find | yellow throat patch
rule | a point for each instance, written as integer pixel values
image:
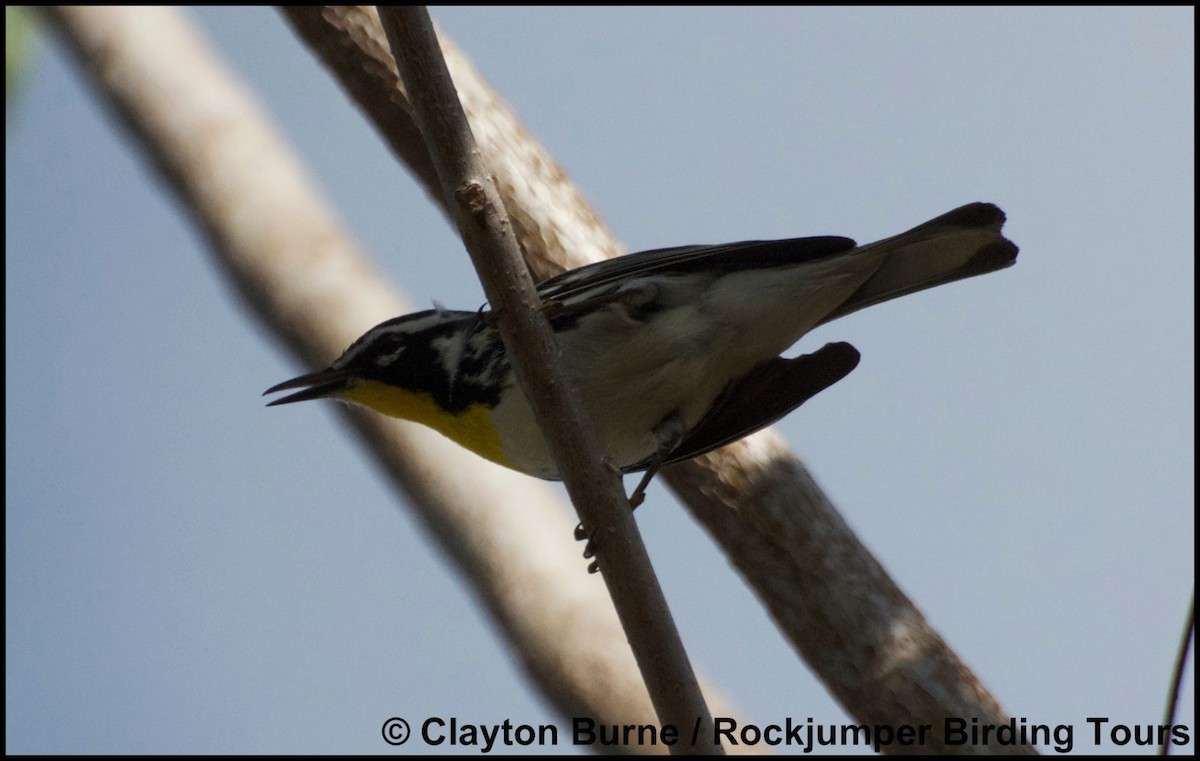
(472, 428)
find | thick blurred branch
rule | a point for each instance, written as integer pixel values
(855, 627)
(302, 274)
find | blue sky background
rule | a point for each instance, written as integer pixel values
(188, 571)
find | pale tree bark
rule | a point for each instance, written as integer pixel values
(286, 253)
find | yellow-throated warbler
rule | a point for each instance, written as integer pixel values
(675, 351)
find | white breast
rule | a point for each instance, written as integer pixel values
(635, 368)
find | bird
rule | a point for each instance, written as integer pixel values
(675, 351)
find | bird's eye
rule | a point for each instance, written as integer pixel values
(387, 348)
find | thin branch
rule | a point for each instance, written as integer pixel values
(1185, 646)
(594, 486)
(857, 630)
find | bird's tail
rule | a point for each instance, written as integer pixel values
(959, 244)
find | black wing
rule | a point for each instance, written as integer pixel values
(749, 254)
(771, 390)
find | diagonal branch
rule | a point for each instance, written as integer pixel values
(593, 484)
(833, 600)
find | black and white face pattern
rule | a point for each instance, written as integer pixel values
(450, 355)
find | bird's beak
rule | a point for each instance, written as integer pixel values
(321, 384)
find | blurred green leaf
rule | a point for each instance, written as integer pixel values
(19, 30)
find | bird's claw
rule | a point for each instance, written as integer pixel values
(589, 549)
